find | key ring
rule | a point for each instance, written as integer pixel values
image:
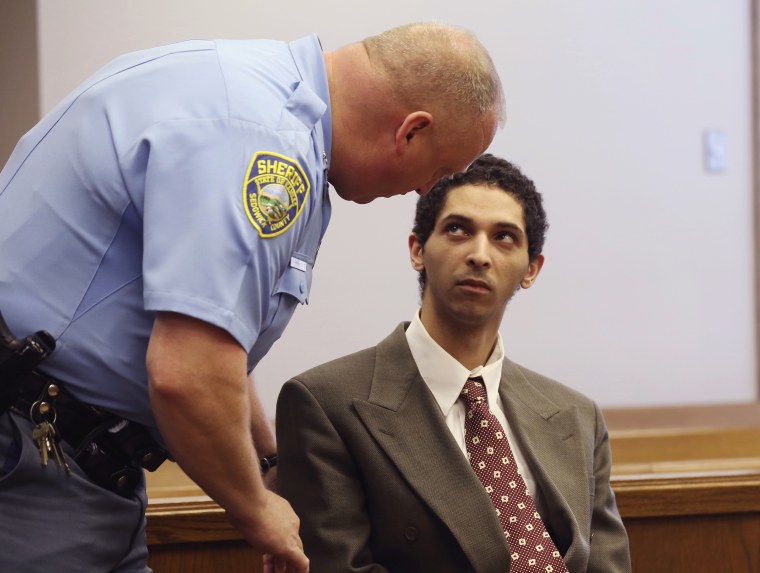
(44, 409)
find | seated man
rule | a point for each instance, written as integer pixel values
(433, 452)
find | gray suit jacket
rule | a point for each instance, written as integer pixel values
(379, 483)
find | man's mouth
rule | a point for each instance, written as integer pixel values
(474, 284)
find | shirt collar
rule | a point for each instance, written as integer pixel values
(444, 375)
(310, 61)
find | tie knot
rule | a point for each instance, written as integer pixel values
(474, 391)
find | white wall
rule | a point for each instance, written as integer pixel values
(647, 293)
(18, 70)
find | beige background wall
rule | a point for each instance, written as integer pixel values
(19, 74)
(647, 293)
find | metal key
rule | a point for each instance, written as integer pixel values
(41, 435)
(49, 441)
(55, 440)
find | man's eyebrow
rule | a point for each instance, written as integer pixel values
(459, 218)
(455, 218)
(510, 226)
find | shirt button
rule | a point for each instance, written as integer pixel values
(301, 288)
(410, 533)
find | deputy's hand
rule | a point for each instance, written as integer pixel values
(274, 530)
(272, 565)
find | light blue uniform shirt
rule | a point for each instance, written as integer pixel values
(187, 178)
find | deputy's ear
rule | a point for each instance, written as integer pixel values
(534, 267)
(413, 124)
(415, 253)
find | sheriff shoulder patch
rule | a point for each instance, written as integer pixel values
(274, 192)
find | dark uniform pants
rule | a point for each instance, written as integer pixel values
(51, 521)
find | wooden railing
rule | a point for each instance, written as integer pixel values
(191, 534)
(687, 482)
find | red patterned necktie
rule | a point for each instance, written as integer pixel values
(532, 550)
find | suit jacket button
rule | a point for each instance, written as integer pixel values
(410, 533)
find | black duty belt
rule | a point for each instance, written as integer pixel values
(110, 449)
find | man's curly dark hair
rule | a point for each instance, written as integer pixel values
(494, 172)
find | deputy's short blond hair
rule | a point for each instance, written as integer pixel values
(433, 62)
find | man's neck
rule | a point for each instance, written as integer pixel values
(470, 345)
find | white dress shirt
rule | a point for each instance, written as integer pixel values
(445, 377)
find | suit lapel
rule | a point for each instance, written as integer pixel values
(549, 438)
(405, 420)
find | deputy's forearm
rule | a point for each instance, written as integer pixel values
(200, 397)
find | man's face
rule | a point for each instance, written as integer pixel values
(475, 259)
(429, 156)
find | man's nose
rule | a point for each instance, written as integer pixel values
(480, 254)
(425, 189)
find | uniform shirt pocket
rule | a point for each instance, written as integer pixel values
(296, 280)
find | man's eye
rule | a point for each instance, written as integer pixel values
(505, 237)
(455, 229)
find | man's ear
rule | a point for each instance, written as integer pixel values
(415, 253)
(534, 267)
(413, 125)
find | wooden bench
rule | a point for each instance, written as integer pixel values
(687, 482)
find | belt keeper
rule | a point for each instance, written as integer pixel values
(150, 458)
(267, 463)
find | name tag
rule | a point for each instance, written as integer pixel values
(298, 264)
